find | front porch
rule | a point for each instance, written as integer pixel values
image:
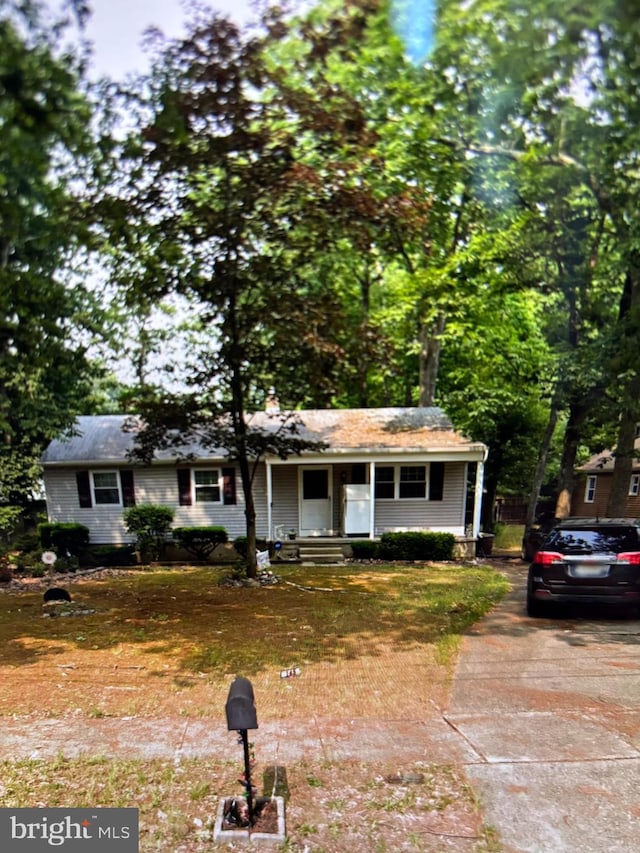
(354, 499)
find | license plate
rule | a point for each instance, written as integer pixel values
(587, 571)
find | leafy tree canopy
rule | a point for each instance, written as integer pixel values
(44, 370)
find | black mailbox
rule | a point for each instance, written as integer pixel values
(241, 707)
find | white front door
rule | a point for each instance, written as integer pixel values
(315, 501)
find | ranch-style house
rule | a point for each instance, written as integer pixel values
(385, 469)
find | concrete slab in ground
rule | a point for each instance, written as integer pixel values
(562, 807)
(537, 736)
(362, 739)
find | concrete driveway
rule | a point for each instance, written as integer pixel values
(551, 710)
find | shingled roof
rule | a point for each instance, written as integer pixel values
(604, 461)
(102, 438)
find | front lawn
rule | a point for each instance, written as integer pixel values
(161, 643)
(171, 632)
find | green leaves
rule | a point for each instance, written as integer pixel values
(44, 117)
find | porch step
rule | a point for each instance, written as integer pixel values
(321, 552)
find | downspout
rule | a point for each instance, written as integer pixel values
(372, 501)
(477, 501)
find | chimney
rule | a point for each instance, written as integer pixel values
(272, 404)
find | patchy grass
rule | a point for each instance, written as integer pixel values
(509, 538)
(346, 808)
(159, 642)
(166, 642)
(158, 635)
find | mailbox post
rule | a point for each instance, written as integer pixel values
(241, 716)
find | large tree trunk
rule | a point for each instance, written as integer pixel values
(624, 454)
(250, 516)
(362, 369)
(566, 478)
(492, 473)
(241, 449)
(625, 445)
(430, 360)
(541, 466)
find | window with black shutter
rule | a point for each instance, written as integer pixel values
(106, 489)
(385, 481)
(206, 486)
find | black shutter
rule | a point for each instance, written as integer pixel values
(184, 486)
(228, 486)
(436, 481)
(128, 487)
(84, 489)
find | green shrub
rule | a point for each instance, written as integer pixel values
(150, 524)
(416, 546)
(68, 563)
(26, 542)
(200, 542)
(28, 563)
(113, 555)
(365, 550)
(64, 539)
(240, 544)
(9, 519)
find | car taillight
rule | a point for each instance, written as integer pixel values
(631, 557)
(545, 558)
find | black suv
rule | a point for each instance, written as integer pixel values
(586, 560)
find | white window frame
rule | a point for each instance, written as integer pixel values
(397, 470)
(96, 488)
(196, 486)
(590, 489)
(386, 482)
(634, 485)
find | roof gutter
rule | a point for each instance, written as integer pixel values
(478, 452)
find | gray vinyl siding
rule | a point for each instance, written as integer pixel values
(156, 485)
(285, 496)
(446, 515)
(104, 522)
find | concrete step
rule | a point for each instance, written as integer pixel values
(321, 553)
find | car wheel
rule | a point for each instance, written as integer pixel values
(536, 608)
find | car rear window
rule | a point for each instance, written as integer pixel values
(613, 539)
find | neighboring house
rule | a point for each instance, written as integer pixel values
(593, 486)
(384, 469)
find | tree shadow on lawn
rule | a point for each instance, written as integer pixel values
(184, 623)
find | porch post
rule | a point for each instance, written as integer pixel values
(477, 502)
(372, 501)
(269, 500)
